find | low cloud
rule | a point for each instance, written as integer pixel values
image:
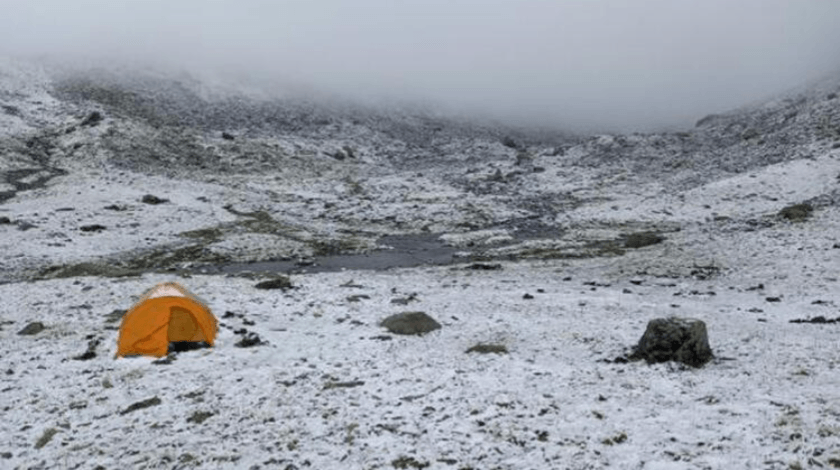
(574, 64)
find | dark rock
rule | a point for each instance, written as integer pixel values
(10, 110)
(165, 360)
(249, 339)
(831, 96)
(115, 315)
(527, 296)
(5, 220)
(199, 417)
(281, 282)
(154, 401)
(90, 353)
(773, 299)
(338, 155)
(797, 212)
(408, 462)
(92, 228)
(523, 159)
(152, 199)
(85, 356)
(674, 339)
(508, 142)
(228, 136)
(32, 329)
(92, 120)
(116, 207)
(410, 323)
(703, 273)
(405, 300)
(485, 267)
(46, 437)
(488, 349)
(349, 151)
(23, 225)
(750, 134)
(817, 320)
(6, 455)
(642, 239)
(350, 384)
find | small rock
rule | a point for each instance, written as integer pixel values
(508, 142)
(165, 360)
(249, 339)
(674, 339)
(90, 353)
(408, 462)
(92, 228)
(115, 315)
(228, 136)
(642, 239)
(152, 199)
(199, 417)
(405, 300)
(816, 320)
(797, 212)
(281, 282)
(5, 220)
(10, 110)
(92, 120)
(773, 299)
(338, 155)
(485, 267)
(154, 401)
(410, 323)
(32, 329)
(350, 384)
(46, 437)
(115, 207)
(527, 296)
(488, 349)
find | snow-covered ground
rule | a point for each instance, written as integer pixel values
(330, 388)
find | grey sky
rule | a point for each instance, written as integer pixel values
(631, 64)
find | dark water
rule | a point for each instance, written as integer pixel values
(407, 251)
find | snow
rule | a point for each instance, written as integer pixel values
(771, 395)
(332, 389)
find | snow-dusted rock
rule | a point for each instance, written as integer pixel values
(674, 339)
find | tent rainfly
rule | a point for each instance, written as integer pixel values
(166, 313)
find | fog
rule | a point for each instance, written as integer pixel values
(575, 64)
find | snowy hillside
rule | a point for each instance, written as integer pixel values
(552, 251)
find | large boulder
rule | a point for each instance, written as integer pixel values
(410, 323)
(674, 339)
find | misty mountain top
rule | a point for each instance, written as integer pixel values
(183, 100)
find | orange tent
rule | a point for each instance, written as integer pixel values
(166, 313)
